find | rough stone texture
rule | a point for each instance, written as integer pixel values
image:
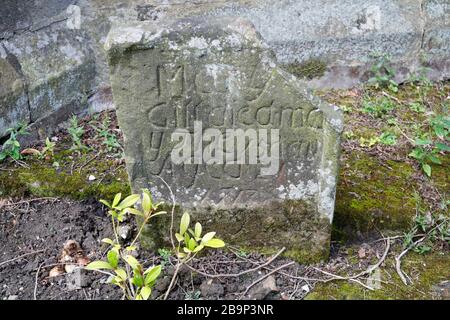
(329, 39)
(54, 64)
(13, 98)
(263, 289)
(219, 72)
(340, 34)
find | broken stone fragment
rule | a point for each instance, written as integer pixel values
(77, 279)
(263, 289)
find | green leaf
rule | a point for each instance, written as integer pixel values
(113, 258)
(417, 153)
(192, 244)
(187, 250)
(215, 243)
(434, 159)
(151, 274)
(113, 213)
(130, 248)
(442, 147)
(128, 201)
(422, 142)
(146, 202)
(98, 265)
(132, 262)
(427, 169)
(106, 203)
(134, 211)
(108, 241)
(179, 237)
(138, 280)
(187, 238)
(198, 230)
(145, 293)
(208, 237)
(184, 224)
(121, 273)
(158, 213)
(116, 200)
(198, 248)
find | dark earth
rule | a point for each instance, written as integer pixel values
(40, 227)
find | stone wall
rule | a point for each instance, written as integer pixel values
(52, 61)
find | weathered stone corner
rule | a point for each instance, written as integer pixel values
(216, 77)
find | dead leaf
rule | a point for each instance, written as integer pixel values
(361, 253)
(56, 271)
(30, 151)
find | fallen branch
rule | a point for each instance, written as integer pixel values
(398, 259)
(36, 281)
(28, 201)
(20, 257)
(369, 270)
(172, 214)
(230, 275)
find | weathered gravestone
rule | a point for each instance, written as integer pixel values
(188, 92)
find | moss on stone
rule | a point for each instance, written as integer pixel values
(266, 230)
(310, 69)
(425, 271)
(42, 180)
(373, 195)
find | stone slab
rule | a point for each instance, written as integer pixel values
(218, 73)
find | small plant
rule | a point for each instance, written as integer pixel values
(346, 109)
(129, 274)
(383, 73)
(428, 146)
(378, 107)
(392, 121)
(424, 153)
(191, 241)
(193, 295)
(368, 142)
(11, 147)
(49, 148)
(388, 138)
(165, 254)
(349, 135)
(76, 133)
(109, 138)
(417, 107)
(431, 228)
(47, 151)
(441, 126)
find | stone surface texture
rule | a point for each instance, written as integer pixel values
(55, 47)
(219, 71)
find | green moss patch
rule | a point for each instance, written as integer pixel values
(372, 194)
(310, 69)
(425, 271)
(43, 180)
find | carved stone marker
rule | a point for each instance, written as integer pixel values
(242, 144)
